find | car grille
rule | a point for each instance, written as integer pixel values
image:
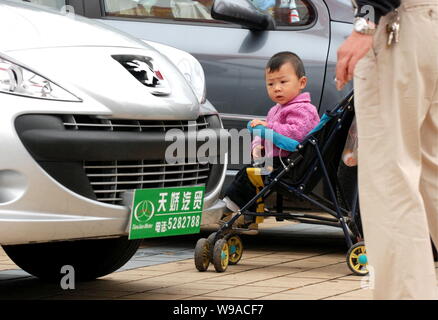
(109, 179)
(92, 123)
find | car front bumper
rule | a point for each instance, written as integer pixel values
(36, 206)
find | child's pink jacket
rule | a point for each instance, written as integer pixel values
(294, 119)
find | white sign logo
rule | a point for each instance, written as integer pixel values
(144, 211)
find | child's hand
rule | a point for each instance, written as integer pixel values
(257, 152)
(257, 122)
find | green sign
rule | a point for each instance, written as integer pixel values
(166, 212)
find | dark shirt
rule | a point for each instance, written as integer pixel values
(381, 8)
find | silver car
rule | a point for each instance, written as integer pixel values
(83, 121)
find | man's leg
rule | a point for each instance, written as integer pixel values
(429, 173)
(391, 99)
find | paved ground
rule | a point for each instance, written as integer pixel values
(285, 261)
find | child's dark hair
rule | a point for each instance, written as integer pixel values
(280, 58)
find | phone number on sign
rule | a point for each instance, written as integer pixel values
(175, 223)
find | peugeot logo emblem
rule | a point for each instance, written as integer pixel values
(145, 70)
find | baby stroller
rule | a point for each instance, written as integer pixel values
(309, 162)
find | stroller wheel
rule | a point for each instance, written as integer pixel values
(357, 259)
(235, 249)
(211, 241)
(220, 255)
(202, 252)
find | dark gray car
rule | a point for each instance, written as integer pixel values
(233, 56)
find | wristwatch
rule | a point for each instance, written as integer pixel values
(364, 26)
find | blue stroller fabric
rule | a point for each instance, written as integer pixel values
(282, 141)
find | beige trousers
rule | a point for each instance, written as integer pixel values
(396, 98)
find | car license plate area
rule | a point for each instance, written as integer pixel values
(161, 212)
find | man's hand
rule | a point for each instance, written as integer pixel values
(257, 122)
(351, 51)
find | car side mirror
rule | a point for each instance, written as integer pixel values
(242, 12)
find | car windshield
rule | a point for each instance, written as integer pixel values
(185, 9)
(54, 4)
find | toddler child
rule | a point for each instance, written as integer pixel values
(293, 116)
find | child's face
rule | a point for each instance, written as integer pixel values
(283, 85)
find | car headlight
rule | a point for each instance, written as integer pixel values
(193, 72)
(188, 65)
(18, 80)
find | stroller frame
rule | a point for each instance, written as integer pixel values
(346, 219)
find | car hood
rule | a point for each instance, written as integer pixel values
(78, 55)
(27, 26)
(93, 75)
